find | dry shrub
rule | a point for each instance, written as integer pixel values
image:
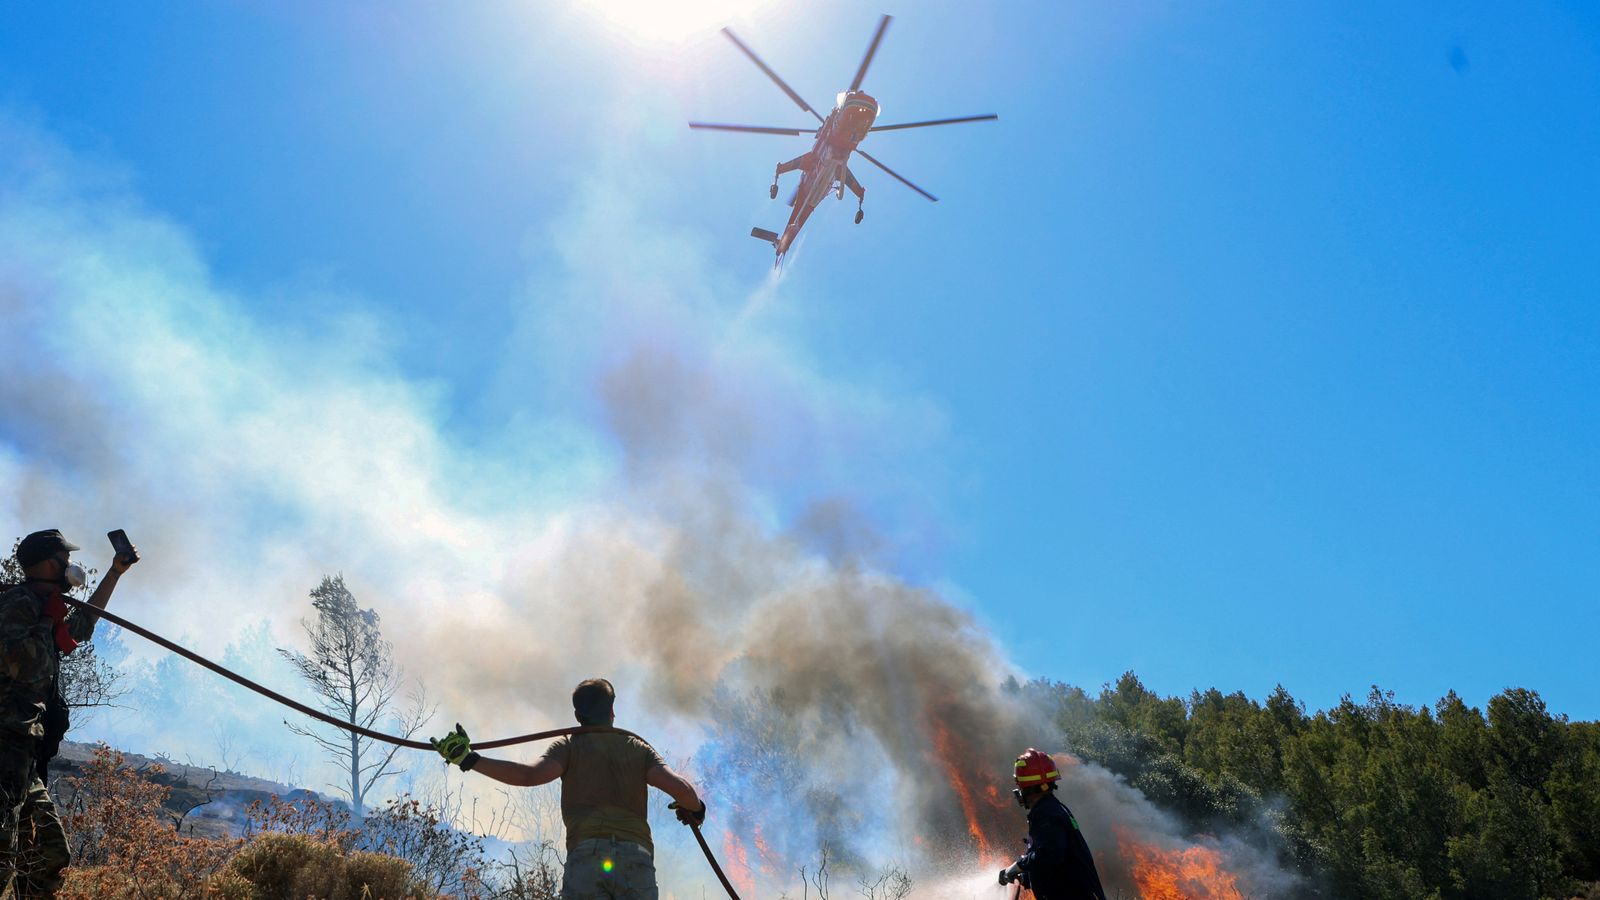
(296, 865)
(107, 883)
(443, 860)
(384, 877)
(229, 885)
(275, 863)
(96, 881)
(122, 843)
(305, 847)
(125, 848)
(532, 874)
(306, 815)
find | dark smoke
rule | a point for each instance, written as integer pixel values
(728, 568)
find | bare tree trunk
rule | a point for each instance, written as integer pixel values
(357, 800)
(351, 672)
(357, 796)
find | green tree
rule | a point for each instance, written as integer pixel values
(1372, 799)
(1134, 707)
(1574, 789)
(1524, 739)
(1507, 849)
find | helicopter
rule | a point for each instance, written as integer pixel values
(824, 169)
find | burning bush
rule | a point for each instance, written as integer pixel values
(1179, 873)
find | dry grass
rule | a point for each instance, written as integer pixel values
(125, 848)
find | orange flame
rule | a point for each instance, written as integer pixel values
(763, 853)
(944, 745)
(736, 862)
(1065, 761)
(1190, 873)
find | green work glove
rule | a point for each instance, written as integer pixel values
(695, 818)
(456, 748)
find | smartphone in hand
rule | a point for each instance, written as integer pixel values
(120, 545)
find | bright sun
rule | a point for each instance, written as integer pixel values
(669, 20)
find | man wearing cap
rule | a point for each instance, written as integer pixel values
(604, 800)
(36, 629)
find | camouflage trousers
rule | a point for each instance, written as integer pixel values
(604, 869)
(33, 845)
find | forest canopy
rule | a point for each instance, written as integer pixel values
(1371, 799)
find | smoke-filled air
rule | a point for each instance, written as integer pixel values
(1212, 362)
(701, 537)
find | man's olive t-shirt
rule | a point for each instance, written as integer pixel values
(603, 791)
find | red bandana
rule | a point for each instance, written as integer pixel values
(56, 609)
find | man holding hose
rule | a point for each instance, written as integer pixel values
(604, 801)
(1058, 864)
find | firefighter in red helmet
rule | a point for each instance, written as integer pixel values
(1058, 865)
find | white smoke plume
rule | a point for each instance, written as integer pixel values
(687, 519)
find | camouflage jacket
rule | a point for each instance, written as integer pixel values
(29, 660)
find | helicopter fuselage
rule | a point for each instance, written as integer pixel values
(825, 169)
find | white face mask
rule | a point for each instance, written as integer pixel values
(75, 575)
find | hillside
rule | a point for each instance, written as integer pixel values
(203, 802)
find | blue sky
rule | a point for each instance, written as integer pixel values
(1255, 343)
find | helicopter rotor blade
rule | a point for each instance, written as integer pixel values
(985, 118)
(798, 100)
(872, 50)
(752, 129)
(897, 176)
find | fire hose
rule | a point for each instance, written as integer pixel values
(321, 716)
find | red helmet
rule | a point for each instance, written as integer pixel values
(1036, 768)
